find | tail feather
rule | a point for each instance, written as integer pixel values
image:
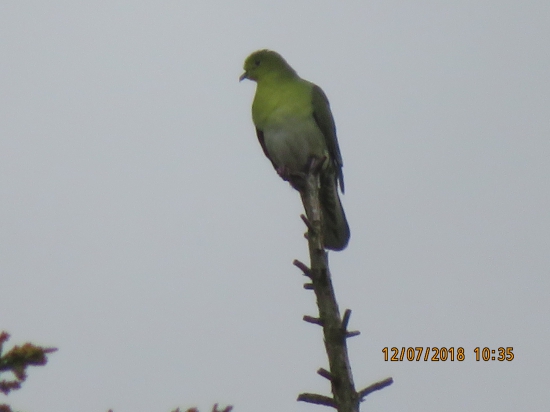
(336, 231)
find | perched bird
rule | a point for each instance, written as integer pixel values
(294, 125)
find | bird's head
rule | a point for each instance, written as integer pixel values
(263, 64)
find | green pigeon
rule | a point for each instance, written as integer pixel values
(294, 125)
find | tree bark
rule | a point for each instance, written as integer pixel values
(344, 396)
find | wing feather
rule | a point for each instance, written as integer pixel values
(325, 121)
(261, 139)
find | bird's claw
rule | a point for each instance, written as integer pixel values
(316, 164)
(296, 179)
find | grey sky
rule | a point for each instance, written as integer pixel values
(145, 235)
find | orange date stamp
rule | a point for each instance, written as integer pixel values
(442, 354)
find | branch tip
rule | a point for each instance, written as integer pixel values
(307, 222)
(308, 286)
(316, 399)
(311, 319)
(345, 319)
(325, 374)
(306, 271)
(352, 333)
(374, 387)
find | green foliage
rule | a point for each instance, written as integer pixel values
(16, 361)
(19, 358)
(214, 409)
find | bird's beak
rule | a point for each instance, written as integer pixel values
(243, 76)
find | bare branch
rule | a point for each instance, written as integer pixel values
(316, 399)
(374, 387)
(302, 267)
(345, 398)
(345, 319)
(307, 222)
(343, 389)
(325, 374)
(311, 319)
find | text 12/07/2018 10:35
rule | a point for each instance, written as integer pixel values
(444, 354)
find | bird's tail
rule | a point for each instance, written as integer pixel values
(335, 226)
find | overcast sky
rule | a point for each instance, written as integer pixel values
(144, 233)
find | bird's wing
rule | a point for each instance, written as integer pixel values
(325, 122)
(261, 139)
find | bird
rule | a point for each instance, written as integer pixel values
(294, 125)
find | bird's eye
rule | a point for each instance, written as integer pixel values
(257, 62)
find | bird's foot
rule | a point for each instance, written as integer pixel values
(316, 164)
(296, 179)
(284, 172)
